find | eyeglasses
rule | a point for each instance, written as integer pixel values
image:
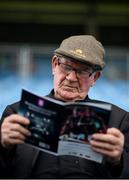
(81, 73)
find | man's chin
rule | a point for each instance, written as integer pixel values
(68, 95)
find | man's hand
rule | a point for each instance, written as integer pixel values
(13, 130)
(109, 144)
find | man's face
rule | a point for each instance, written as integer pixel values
(72, 80)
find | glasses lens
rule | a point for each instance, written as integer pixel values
(81, 73)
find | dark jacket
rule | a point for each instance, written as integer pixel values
(20, 162)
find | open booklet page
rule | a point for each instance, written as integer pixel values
(64, 128)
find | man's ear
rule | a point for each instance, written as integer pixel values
(54, 63)
(96, 77)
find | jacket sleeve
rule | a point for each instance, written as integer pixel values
(13, 162)
(120, 119)
(125, 130)
(6, 155)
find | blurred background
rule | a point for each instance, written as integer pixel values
(30, 30)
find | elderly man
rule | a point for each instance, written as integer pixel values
(76, 66)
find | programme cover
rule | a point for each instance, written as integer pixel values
(64, 128)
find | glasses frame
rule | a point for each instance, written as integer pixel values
(75, 70)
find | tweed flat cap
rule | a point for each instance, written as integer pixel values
(84, 48)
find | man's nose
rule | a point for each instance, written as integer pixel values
(72, 76)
